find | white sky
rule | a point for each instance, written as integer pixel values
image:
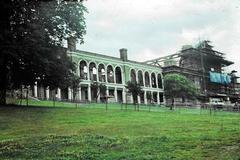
(154, 28)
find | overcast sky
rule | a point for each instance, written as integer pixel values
(154, 28)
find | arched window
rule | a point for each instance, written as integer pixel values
(93, 71)
(133, 75)
(160, 81)
(101, 73)
(147, 80)
(110, 74)
(118, 75)
(153, 79)
(83, 70)
(140, 78)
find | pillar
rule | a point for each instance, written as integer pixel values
(143, 79)
(47, 93)
(131, 100)
(69, 94)
(150, 80)
(138, 99)
(59, 93)
(35, 90)
(145, 97)
(115, 94)
(98, 98)
(124, 95)
(158, 100)
(107, 91)
(89, 93)
(79, 93)
(156, 75)
(114, 76)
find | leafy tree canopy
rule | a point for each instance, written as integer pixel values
(134, 88)
(32, 34)
(176, 85)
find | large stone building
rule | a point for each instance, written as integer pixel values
(114, 73)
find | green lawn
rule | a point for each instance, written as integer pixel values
(90, 132)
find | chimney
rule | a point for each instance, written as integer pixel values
(123, 54)
(71, 44)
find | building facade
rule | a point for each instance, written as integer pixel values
(112, 72)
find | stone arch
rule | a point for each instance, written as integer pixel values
(147, 79)
(83, 70)
(118, 75)
(153, 80)
(101, 73)
(140, 78)
(133, 75)
(110, 74)
(92, 71)
(159, 81)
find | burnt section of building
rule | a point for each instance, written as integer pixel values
(205, 67)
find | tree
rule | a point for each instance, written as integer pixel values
(135, 89)
(97, 89)
(32, 34)
(176, 86)
(75, 84)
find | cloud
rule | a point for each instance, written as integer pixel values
(157, 27)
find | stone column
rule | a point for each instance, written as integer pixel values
(158, 101)
(97, 73)
(150, 80)
(136, 76)
(143, 79)
(114, 77)
(89, 93)
(156, 80)
(106, 78)
(152, 96)
(69, 94)
(47, 93)
(124, 95)
(131, 100)
(145, 97)
(79, 93)
(164, 99)
(139, 101)
(98, 98)
(107, 91)
(59, 93)
(115, 94)
(35, 89)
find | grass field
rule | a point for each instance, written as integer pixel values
(90, 132)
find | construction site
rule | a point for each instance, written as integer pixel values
(206, 67)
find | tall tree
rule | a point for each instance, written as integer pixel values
(178, 86)
(135, 89)
(32, 34)
(97, 89)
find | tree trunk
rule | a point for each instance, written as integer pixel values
(21, 95)
(3, 95)
(106, 107)
(172, 105)
(27, 95)
(134, 102)
(3, 80)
